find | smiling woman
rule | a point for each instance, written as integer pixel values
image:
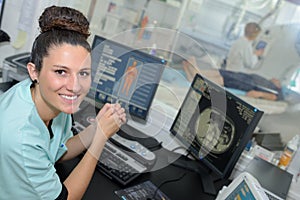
(35, 126)
(65, 81)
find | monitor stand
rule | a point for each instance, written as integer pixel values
(195, 166)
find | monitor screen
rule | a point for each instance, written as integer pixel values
(261, 45)
(242, 192)
(214, 125)
(124, 75)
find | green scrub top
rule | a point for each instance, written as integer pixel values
(27, 153)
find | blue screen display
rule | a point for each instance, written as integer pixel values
(241, 192)
(124, 75)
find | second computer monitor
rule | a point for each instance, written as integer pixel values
(214, 125)
(124, 75)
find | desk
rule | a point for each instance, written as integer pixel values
(189, 187)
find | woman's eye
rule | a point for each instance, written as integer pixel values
(84, 73)
(60, 72)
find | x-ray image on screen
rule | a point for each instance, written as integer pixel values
(214, 130)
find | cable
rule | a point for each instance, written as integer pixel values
(163, 183)
(179, 147)
(189, 155)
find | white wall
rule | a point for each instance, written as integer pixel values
(12, 23)
(9, 25)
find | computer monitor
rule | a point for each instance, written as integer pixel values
(214, 125)
(2, 2)
(124, 75)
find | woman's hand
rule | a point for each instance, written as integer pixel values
(110, 118)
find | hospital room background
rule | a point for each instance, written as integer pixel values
(203, 29)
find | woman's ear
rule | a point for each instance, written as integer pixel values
(33, 72)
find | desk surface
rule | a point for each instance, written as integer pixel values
(189, 187)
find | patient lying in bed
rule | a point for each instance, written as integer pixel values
(252, 85)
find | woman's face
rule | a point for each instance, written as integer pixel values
(65, 78)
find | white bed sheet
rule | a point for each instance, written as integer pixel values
(268, 106)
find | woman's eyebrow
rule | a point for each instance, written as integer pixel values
(86, 68)
(65, 67)
(61, 66)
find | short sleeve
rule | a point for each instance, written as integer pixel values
(39, 168)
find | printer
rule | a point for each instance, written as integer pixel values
(14, 70)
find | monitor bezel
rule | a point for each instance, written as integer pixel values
(244, 138)
(139, 119)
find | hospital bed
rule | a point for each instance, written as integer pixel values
(268, 106)
(174, 85)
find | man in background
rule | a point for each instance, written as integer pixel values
(242, 54)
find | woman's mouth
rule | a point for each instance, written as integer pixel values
(70, 97)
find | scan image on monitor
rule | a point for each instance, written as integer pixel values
(214, 129)
(214, 125)
(124, 75)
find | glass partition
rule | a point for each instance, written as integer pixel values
(197, 34)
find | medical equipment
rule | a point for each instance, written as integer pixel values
(245, 186)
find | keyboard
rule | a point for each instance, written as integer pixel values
(118, 165)
(115, 163)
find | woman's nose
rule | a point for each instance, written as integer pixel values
(73, 84)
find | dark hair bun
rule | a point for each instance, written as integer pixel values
(66, 18)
